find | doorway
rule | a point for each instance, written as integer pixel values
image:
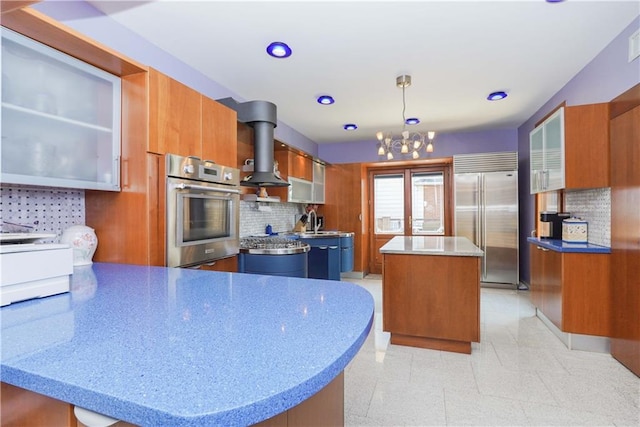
(408, 201)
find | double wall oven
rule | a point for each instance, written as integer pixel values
(203, 210)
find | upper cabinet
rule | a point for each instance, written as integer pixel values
(183, 121)
(318, 182)
(61, 118)
(569, 150)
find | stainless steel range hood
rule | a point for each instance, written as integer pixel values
(261, 116)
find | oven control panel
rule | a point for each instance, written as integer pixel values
(201, 170)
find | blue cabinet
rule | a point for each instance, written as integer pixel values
(324, 258)
(289, 265)
(346, 253)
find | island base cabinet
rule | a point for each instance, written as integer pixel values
(22, 408)
(432, 301)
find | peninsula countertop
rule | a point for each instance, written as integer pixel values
(170, 346)
(431, 245)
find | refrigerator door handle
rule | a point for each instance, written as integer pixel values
(479, 211)
(484, 227)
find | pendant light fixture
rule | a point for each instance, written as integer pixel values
(408, 143)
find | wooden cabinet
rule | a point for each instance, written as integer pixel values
(625, 228)
(219, 133)
(182, 121)
(570, 149)
(343, 205)
(174, 117)
(432, 301)
(302, 172)
(22, 407)
(229, 264)
(572, 290)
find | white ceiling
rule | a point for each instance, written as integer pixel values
(456, 52)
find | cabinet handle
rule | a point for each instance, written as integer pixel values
(322, 247)
(333, 247)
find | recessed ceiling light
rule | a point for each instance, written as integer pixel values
(497, 96)
(326, 100)
(350, 126)
(554, 1)
(412, 121)
(279, 50)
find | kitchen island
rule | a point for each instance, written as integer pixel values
(171, 346)
(431, 292)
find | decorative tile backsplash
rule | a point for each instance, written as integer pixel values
(47, 210)
(594, 206)
(254, 217)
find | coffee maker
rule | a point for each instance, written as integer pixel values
(552, 224)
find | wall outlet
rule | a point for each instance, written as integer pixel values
(634, 46)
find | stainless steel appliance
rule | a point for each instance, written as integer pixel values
(486, 211)
(203, 209)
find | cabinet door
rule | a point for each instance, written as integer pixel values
(229, 264)
(318, 183)
(552, 285)
(319, 262)
(536, 145)
(300, 190)
(219, 133)
(554, 151)
(174, 117)
(300, 166)
(61, 118)
(537, 277)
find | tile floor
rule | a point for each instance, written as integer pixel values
(519, 374)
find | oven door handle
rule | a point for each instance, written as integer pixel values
(183, 186)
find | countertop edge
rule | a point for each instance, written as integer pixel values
(568, 247)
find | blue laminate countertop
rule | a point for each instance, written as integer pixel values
(170, 346)
(431, 245)
(568, 247)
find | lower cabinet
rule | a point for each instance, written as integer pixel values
(324, 258)
(229, 264)
(288, 265)
(346, 254)
(572, 290)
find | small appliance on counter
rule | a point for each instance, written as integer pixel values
(575, 230)
(32, 270)
(552, 229)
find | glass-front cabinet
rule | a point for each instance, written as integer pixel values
(60, 118)
(546, 150)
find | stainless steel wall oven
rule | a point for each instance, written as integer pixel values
(203, 209)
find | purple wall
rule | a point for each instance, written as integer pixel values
(445, 145)
(608, 75)
(88, 20)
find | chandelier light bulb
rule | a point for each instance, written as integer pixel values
(389, 155)
(404, 149)
(405, 134)
(380, 136)
(430, 148)
(415, 155)
(381, 150)
(431, 135)
(416, 144)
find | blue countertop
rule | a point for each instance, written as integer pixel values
(568, 247)
(170, 346)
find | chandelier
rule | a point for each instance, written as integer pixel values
(408, 142)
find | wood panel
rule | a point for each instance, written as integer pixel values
(229, 264)
(124, 235)
(22, 408)
(625, 229)
(553, 286)
(586, 294)
(300, 166)
(46, 30)
(587, 146)
(430, 296)
(536, 284)
(219, 133)
(375, 257)
(245, 151)
(174, 117)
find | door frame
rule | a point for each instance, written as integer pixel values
(444, 165)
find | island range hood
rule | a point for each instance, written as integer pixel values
(261, 116)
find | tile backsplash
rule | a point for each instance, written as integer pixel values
(594, 206)
(254, 217)
(47, 210)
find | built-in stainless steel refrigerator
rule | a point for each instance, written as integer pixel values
(486, 211)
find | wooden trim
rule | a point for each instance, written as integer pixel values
(7, 6)
(40, 27)
(562, 104)
(625, 102)
(431, 343)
